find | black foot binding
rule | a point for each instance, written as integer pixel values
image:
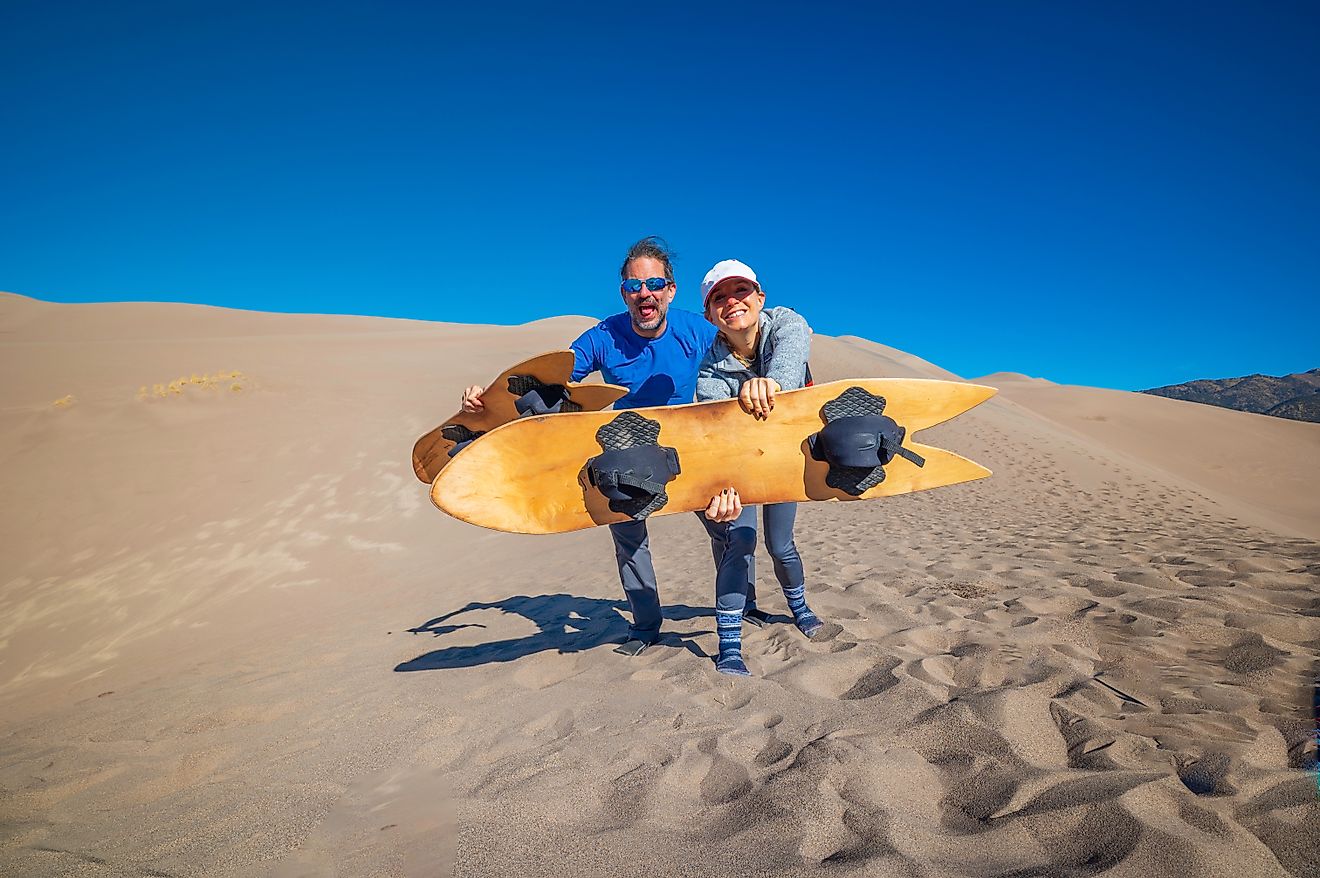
(460, 435)
(756, 616)
(632, 647)
(858, 441)
(634, 469)
(535, 398)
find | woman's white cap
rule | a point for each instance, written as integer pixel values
(723, 271)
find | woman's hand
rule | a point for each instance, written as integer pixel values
(724, 506)
(472, 399)
(757, 397)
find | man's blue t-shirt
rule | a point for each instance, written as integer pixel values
(656, 371)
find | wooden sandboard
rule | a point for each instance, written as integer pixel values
(431, 452)
(529, 476)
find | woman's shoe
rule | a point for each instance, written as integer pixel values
(805, 620)
(808, 622)
(733, 665)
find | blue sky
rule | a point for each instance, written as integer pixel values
(1115, 194)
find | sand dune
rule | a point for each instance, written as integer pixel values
(236, 639)
(1262, 474)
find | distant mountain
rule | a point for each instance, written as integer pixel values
(1303, 408)
(1294, 396)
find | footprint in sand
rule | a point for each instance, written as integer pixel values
(936, 670)
(1085, 739)
(827, 633)
(775, 750)
(554, 726)
(700, 767)
(625, 798)
(1207, 578)
(875, 681)
(546, 669)
(736, 699)
(1252, 654)
(1206, 776)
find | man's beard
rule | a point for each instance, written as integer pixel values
(661, 311)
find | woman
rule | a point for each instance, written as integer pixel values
(757, 354)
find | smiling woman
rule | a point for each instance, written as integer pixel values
(757, 354)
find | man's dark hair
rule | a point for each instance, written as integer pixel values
(653, 247)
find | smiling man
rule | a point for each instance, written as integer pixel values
(653, 351)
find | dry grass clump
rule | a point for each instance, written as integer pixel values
(180, 385)
(64, 401)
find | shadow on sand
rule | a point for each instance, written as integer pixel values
(567, 623)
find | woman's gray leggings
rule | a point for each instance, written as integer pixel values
(733, 544)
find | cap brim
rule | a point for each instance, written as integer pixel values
(706, 301)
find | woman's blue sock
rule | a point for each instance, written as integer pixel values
(730, 661)
(806, 621)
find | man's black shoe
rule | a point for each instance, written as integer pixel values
(632, 647)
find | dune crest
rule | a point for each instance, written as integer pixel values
(997, 378)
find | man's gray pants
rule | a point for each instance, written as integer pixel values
(632, 550)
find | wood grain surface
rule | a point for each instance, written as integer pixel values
(528, 476)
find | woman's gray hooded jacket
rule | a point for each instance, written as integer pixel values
(782, 350)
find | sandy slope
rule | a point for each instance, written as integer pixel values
(1096, 662)
(1264, 473)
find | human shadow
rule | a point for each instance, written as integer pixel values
(566, 623)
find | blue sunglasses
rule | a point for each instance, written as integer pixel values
(635, 284)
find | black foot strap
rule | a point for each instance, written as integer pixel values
(634, 468)
(535, 398)
(461, 435)
(858, 440)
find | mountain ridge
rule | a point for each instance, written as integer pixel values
(1295, 396)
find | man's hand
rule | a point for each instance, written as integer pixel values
(724, 506)
(757, 397)
(472, 399)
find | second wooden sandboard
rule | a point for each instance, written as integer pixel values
(431, 453)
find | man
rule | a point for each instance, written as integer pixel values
(654, 352)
